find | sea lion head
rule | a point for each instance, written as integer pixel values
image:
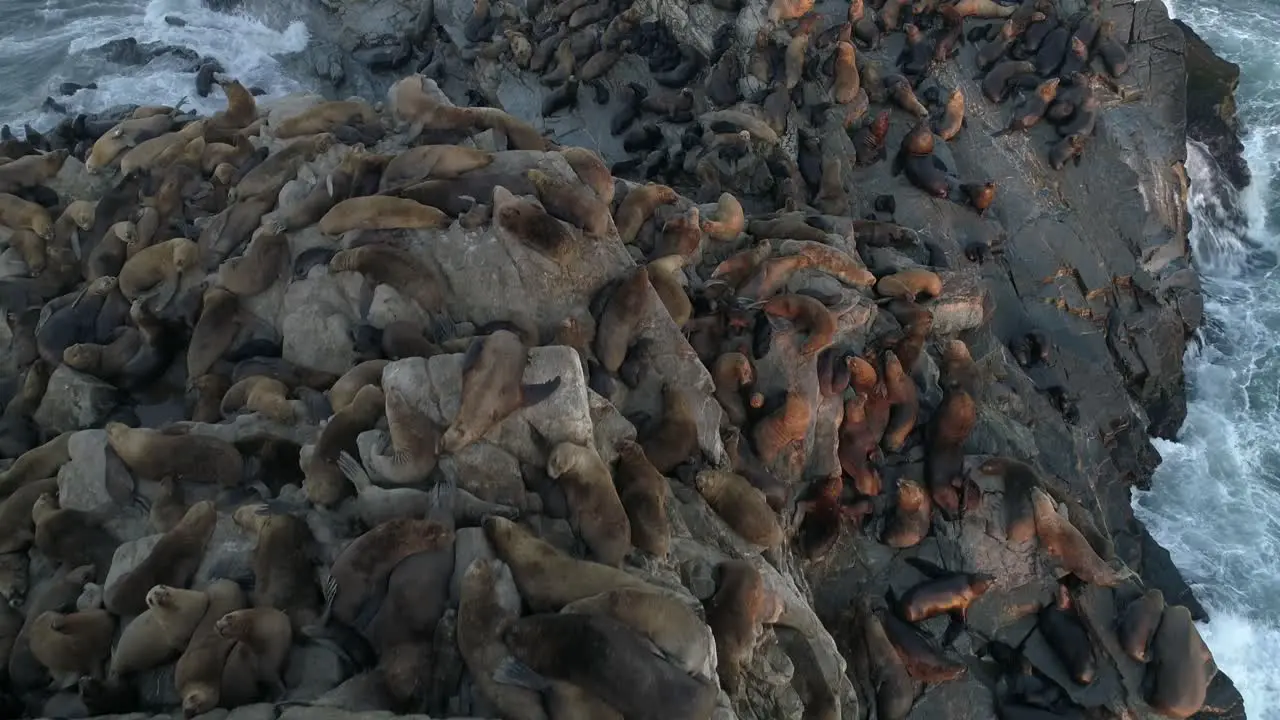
(159, 596)
(126, 231)
(186, 255)
(81, 575)
(224, 172)
(44, 505)
(564, 458)
(232, 625)
(198, 700)
(862, 375)
(82, 356)
(82, 213)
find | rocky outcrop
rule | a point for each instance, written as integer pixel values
(1211, 105)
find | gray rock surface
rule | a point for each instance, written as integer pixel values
(74, 401)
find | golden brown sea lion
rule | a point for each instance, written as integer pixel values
(267, 633)
(638, 206)
(31, 170)
(947, 593)
(1181, 666)
(214, 332)
(904, 403)
(161, 632)
(267, 178)
(257, 269)
(381, 212)
(194, 458)
(19, 214)
(327, 117)
(392, 266)
(411, 446)
(676, 438)
(172, 561)
(284, 576)
(590, 169)
(432, 161)
(258, 393)
(157, 270)
(743, 508)
(1061, 540)
(77, 643)
(200, 673)
(527, 223)
(1138, 625)
(733, 372)
(620, 319)
(780, 435)
(572, 202)
(595, 511)
(344, 390)
(730, 219)
(911, 518)
(910, 285)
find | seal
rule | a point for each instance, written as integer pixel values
(1019, 479)
(638, 206)
(744, 508)
(832, 261)
(385, 264)
(194, 458)
(156, 271)
(327, 117)
(1181, 666)
(72, 537)
(323, 480)
(172, 561)
(595, 511)
(21, 214)
(261, 394)
(944, 593)
(492, 371)
(620, 319)
(737, 613)
(160, 633)
(1062, 541)
(1138, 625)
(344, 390)
(1068, 637)
(489, 602)
(381, 212)
(77, 643)
(35, 464)
(548, 578)
(266, 632)
(203, 669)
(408, 452)
(643, 492)
(607, 659)
(529, 224)
(571, 202)
(284, 576)
(214, 332)
(17, 529)
(922, 658)
(910, 285)
(676, 438)
(660, 616)
(590, 169)
(258, 268)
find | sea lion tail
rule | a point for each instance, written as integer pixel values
(513, 672)
(533, 393)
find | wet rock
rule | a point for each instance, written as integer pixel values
(74, 401)
(128, 51)
(70, 88)
(313, 670)
(1211, 105)
(385, 57)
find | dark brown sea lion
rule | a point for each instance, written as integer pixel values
(737, 612)
(173, 561)
(946, 593)
(1138, 625)
(195, 458)
(488, 603)
(283, 571)
(595, 511)
(324, 482)
(1181, 666)
(643, 492)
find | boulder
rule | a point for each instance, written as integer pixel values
(74, 401)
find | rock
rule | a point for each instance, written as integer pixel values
(385, 57)
(1211, 105)
(70, 88)
(313, 670)
(316, 320)
(470, 545)
(95, 479)
(74, 401)
(75, 181)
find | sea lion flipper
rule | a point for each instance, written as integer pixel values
(513, 672)
(354, 471)
(954, 629)
(75, 245)
(533, 393)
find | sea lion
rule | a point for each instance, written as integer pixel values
(1181, 665)
(595, 511)
(922, 658)
(122, 136)
(17, 529)
(258, 393)
(681, 235)
(408, 452)
(344, 390)
(1066, 634)
(912, 516)
(952, 119)
(658, 615)
(169, 506)
(832, 261)
(729, 219)
(1061, 540)
(200, 674)
(529, 224)
(257, 269)
(214, 332)
(492, 371)
(1114, 57)
(381, 212)
(618, 668)
(161, 632)
(172, 561)
(194, 458)
(392, 266)
(35, 464)
(548, 578)
(154, 154)
(676, 438)
(732, 372)
(487, 604)
(156, 271)
(377, 505)
(780, 435)
(638, 206)
(979, 195)
(14, 581)
(736, 613)
(572, 202)
(284, 577)
(31, 170)
(76, 643)
(323, 480)
(1019, 478)
(72, 537)
(327, 117)
(21, 214)
(1068, 148)
(590, 169)
(665, 275)
(846, 83)
(643, 492)
(743, 508)
(910, 285)
(995, 83)
(807, 313)
(1031, 111)
(267, 633)
(350, 178)
(944, 593)
(1138, 625)
(859, 447)
(108, 255)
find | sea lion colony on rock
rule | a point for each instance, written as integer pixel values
(780, 309)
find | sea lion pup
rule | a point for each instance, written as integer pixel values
(1114, 56)
(344, 390)
(268, 177)
(1033, 109)
(172, 561)
(729, 219)
(72, 537)
(618, 668)
(267, 633)
(951, 121)
(160, 633)
(323, 480)
(168, 507)
(526, 223)
(260, 394)
(156, 271)
(1062, 541)
(675, 439)
(76, 644)
(385, 264)
(326, 118)
(1138, 625)
(595, 511)
(35, 464)
(284, 576)
(808, 313)
(408, 451)
(258, 268)
(17, 527)
(381, 212)
(643, 492)
(31, 170)
(979, 195)
(591, 170)
(571, 202)
(638, 206)
(1068, 148)
(194, 458)
(910, 285)
(665, 275)
(199, 674)
(743, 508)
(488, 602)
(737, 613)
(658, 615)
(427, 162)
(732, 372)
(1181, 666)
(492, 370)
(21, 214)
(548, 578)
(832, 261)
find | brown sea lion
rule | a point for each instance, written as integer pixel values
(665, 275)
(35, 464)
(590, 169)
(392, 266)
(643, 492)
(732, 372)
(529, 224)
(638, 206)
(261, 394)
(995, 83)
(124, 135)
(267, 633)
(548, 578)
(616, 329)
(952, 119)
(729, 219)
(571, 202)
(831, 260)
(1062, 541)
(381, 212)
(172, 561)
(737, 612)
(487, 604)
(910, 285)
(808, 313)
(658, 615)
(267, 178)
(17, 529)
(945, 436)
(1031, 111)
(344, 390)
(1065, 632)
(219, 323)
(257, 269)
(78, 643)
(194, 458)
(595, 511)
(1019, 479)
(859, 448)
(432, 161)
(31, 170)
(284, 577)
(324, 482)
(21, 214)
(743, 508)
(409, 450)
(200, 674)
(1181, 666)
(327, 117)
(161, 632)
(168, 506)
(492, 388)
(72, 537)
(676, 438)
(949, 593)
(1138, 625)
(923, 659)
(780, 435)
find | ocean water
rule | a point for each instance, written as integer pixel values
(1215, 502)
